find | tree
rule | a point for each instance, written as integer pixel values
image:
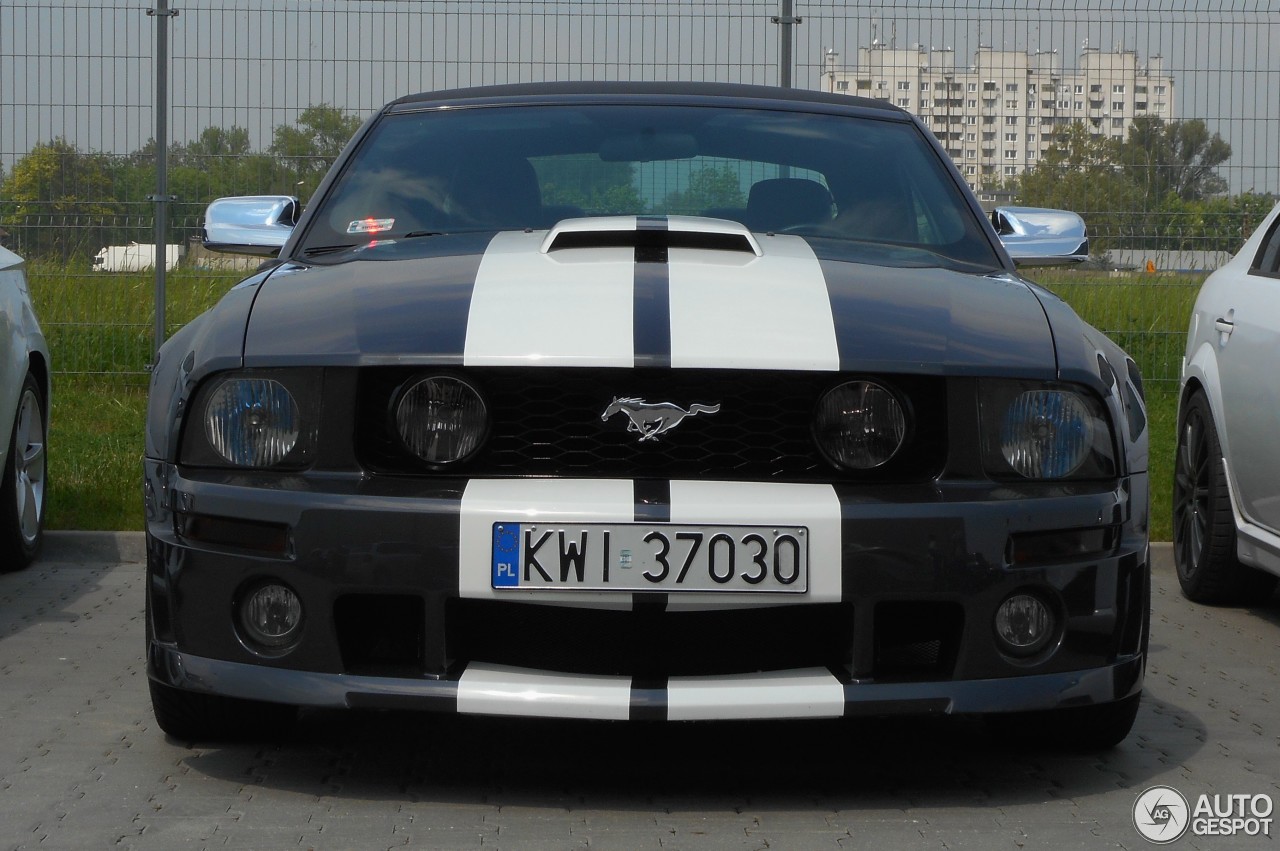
(709, 187)
(59, 201)
(1177, 158)
(1081, 172)
(590, 184)
(310, 147)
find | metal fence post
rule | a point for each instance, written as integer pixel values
(785, 21)
(162, 13)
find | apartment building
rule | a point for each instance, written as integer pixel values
(998, 116)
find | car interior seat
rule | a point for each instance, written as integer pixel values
(784, 202)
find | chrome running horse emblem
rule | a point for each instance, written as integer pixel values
(651, 419)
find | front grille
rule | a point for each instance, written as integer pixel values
(547, 422)
(649, 642)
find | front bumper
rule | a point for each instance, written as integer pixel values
(395, 579)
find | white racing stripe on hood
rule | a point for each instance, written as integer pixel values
(743, 312)
(571, 308)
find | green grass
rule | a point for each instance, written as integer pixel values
(99, 328)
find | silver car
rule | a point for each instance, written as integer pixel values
(1226, 493)
(24, 406)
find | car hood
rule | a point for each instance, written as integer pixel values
(780, 302)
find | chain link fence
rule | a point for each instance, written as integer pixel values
(1157, 120)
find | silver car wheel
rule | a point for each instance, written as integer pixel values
(29, 466)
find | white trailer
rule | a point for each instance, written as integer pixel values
(133, 257)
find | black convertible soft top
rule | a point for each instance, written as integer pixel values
(710, 91)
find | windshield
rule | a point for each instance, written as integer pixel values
(444, 171)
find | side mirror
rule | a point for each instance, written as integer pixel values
(252, 224)
(1038, 237)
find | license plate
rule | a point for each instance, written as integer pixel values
(648, 557)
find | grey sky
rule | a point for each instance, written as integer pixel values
(84, 70)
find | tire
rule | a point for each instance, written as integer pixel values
(1204, 525)
(196, 717)
(23, 485)
(1078, 728)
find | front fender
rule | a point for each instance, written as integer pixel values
(212, 342)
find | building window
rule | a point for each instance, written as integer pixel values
(904, 85)
(1011, 104)
(1011, 137)
(1079, 104)
(970, 154)
(988, 85)
(1031, 121)
(1031, 138)
(1117, 105)
(1031, 155)
(924, 104)
(881, 84)
(1117, 89)
(1011, 171)
(1031, 88)
(1011, 120)
(924, 87)
(842, 85)
(1117, 122)
(1011, 154)
(904, 102)
(1159, 90)
(864, 84)
(1064, 104)
(1096, 87)
(1078, 90)
(1011, 87)
(988, 119)
(973, 104)
(973, 87)
(970, 169)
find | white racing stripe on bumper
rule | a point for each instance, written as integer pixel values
(809, 693)
(744, 312)
(570, 308)
(502, 690)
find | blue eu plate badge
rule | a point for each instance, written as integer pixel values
(506, 555)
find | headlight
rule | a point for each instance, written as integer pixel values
(859, 425)
(252, 422)
(440, 419)
(258, 419)
(1045, 431)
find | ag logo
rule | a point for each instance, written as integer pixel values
(1161, 815)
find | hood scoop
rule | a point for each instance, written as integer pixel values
(660, 232)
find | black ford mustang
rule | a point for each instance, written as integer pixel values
(645, 401)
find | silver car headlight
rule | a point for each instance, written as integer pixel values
(440, 419)
(859, 425)
(256, 419)
(1045, 431)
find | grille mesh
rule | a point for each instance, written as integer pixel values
(547, 422)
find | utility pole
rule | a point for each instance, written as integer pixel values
(162, 13)
(785, 21)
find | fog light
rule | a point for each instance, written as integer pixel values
(271, 616)
(1024, 625)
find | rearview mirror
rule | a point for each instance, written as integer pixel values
(251, 224)
(1034, 236)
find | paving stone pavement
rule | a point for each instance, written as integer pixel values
(83, 765)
